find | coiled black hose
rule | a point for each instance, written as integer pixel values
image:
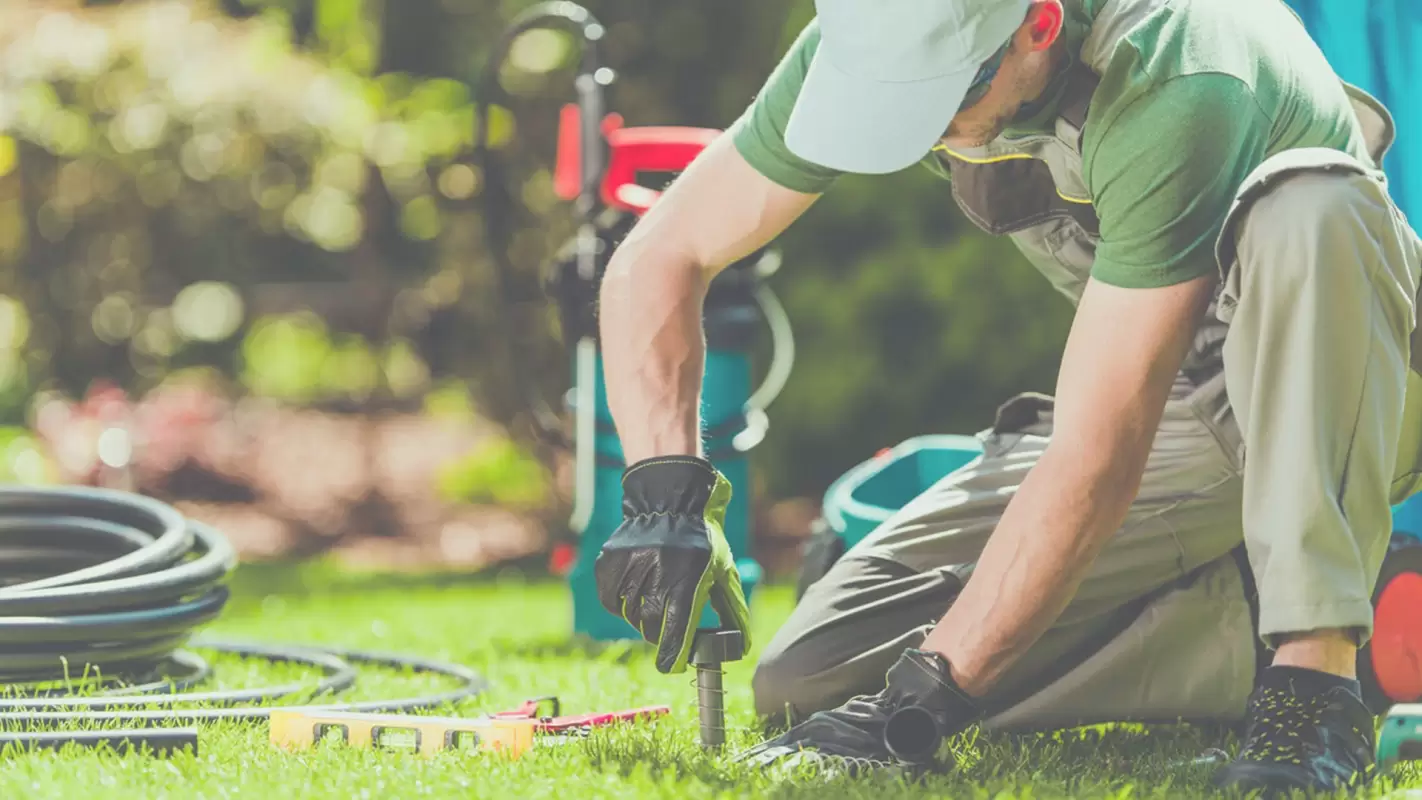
(114, 583)
(111, 580)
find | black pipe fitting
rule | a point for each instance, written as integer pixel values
(912, 736)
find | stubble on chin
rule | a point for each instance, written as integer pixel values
(976, 134)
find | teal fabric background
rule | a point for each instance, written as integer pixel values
(1374, 44)
(1377, 45)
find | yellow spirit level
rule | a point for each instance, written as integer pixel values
(300, 730)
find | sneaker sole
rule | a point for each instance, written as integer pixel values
(1269, 780)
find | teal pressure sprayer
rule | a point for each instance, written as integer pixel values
(598, 167)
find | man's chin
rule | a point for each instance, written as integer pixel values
(961, 141)
(959, 137)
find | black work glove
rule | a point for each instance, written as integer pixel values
(669, 556)
(900, 728)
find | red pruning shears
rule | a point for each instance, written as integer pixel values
(546, 711)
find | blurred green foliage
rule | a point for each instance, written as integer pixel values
(500, 473)
(22, 458)
(283, 189)
(295, 358)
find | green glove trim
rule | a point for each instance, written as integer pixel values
(670, 557)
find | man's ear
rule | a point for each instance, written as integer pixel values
(1044, 23)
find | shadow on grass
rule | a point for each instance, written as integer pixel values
(571, 646)
(327, 578)
(1100, 761)
(659, 752)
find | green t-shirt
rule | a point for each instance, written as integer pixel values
(1196, 96)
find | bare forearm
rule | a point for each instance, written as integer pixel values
(1111, 393)
(650, 303)
(1047, 539)
(653, 350)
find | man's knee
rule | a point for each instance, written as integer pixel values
(1321, 242)
(1306, 210)
(796, 671)
(776, 686)
(1314, 208)
(791, 684)
(845, 633)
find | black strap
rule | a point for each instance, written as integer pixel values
(1076, 100)
(1251, 596)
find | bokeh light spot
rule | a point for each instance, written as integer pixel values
(14, 324)
(113, 319)
(207, 311)
(9, 155)
(538, 51)
(419, 219)
(458, 181)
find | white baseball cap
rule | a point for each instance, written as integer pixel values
(889, 75)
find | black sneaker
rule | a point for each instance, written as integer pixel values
(1297, 738)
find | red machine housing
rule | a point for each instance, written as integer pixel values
(1396, 647)
(631, 151)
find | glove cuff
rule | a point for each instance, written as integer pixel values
(677, 485)
(929, 706)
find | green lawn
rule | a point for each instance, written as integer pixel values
(515, 633)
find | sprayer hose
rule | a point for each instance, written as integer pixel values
(113, 584)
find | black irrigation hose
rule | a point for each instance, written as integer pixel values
(470, 685)
(338, 676)
(107, 582)
(111, 580)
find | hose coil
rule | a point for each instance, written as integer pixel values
(107, 579)
(113, 584)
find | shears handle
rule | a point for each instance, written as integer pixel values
(551, 722)
(579, 721)
(533, 709)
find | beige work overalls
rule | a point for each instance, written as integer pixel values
(1293, 426)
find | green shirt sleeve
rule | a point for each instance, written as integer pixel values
(759, 134)
(1163, 174)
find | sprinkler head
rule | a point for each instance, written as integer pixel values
(911, 735)
(709, 650)
(713, 647)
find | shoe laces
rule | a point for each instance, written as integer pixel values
(832, 765)
(1284, 726)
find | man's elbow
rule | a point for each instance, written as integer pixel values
(649, 285)
(1111, 463)
(654, 247)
